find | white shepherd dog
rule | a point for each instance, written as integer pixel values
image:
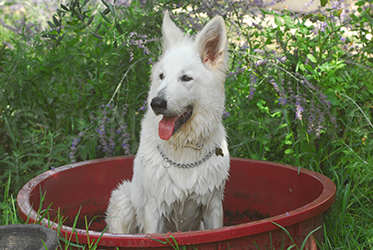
(182, 163)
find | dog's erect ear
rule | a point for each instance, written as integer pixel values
(171, 33)
(212, 42)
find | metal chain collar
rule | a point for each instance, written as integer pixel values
(167, 162)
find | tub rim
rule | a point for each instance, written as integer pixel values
(319, 205)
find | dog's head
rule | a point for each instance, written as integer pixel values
(187, 89)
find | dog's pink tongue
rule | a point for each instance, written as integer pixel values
(166, 127)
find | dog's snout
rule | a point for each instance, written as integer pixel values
(159, 105)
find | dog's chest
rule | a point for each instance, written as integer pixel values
(182, 215)
(174, 184)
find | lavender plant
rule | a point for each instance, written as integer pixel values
(301, 70)
(107, 135)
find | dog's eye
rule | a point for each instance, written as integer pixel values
(186, 78)
(161, 76)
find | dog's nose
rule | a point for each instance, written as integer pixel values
(159, 105)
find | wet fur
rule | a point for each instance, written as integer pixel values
(160, 199)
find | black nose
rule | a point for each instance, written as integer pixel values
(159, 105)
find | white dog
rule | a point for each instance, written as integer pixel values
(182, 163)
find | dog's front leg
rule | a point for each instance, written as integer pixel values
(213, 214)
(152, 220)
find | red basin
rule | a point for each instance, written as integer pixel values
(259, 196)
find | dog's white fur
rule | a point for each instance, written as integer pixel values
(163, 198)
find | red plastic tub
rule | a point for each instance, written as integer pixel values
(260, 196)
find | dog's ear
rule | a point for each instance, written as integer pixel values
(212, 43)
(171, 33)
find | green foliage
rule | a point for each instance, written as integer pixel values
(54, 86)
(8, 207)
(327, 54)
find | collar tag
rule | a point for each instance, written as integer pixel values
(219, 151)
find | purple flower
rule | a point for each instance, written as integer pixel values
(72, 157)
(261, 62)
(226, 114)
(259, 51)
(299, 111)
(282, 101)
(282, 59)
(143, 107)
(253, 79)
(323, 25)
(81, 134)
(275, 86)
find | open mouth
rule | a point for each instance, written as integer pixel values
(169, 125)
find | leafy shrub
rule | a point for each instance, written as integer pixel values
(56, 82)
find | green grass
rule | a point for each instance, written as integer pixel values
(293, 96)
